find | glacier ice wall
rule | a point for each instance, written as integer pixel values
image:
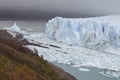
(88, 32)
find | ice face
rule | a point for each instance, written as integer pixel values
(87, 32)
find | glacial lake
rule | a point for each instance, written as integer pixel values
(39, 26)
(93, 74)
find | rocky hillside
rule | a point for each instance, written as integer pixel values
(20, 63)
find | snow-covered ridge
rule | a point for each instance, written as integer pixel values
(95, 33)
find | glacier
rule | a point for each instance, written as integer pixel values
(95, 33)
(76, 55)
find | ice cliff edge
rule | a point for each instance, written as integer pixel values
(88, 32)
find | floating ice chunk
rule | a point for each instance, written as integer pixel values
(84, 69)
(110, 73)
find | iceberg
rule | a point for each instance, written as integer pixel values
(94, 33)
(15, 29)
(84, 69)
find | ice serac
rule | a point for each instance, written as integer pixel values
(96, 32)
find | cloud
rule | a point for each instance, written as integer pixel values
(70, 8)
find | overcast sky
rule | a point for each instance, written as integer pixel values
(66, 8)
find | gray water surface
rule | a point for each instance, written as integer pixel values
(93, 74)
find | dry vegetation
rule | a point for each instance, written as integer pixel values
(19, 63)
